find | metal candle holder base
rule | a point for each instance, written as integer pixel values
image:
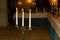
(23, 30)
(17, 26)
(30, 29)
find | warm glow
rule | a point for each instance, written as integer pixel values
(29, 1)
(34, 3)
(54, 1)
(19, 3)
(52, 4)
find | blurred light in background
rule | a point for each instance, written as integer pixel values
(29, 1)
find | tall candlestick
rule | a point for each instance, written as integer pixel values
(29, 19)
(17, 16)
(23, 17)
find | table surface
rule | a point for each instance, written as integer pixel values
(55, 22)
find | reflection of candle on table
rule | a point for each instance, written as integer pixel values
(30, 19)
(16, 16)
(22, 17)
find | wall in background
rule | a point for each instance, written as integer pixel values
(3, 13)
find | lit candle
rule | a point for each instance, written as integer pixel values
(16, 16)
(29, 19)
(22, 17)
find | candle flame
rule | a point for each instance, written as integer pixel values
(16, 8)
(19, 3)
(29, 1)
(29, 10)
(22, 9)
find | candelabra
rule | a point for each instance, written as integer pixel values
(23, 29)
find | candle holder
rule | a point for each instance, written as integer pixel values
(23, 30)
(17, 26)
(30, 29)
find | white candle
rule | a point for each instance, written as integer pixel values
(29, 18)
(17, 16)
(23, 17)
